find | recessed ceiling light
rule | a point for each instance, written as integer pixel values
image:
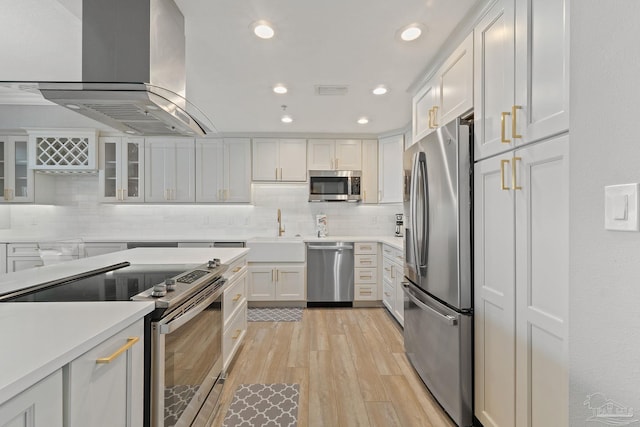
(286, 119)
(263, 29)
(280, 89)
(380, 90)
(363, 121)
(130, 132)
(410, 32)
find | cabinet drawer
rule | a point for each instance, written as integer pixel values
(235, 267)
(388, 295)
(366, 275)
(396, 255)
(22, 249)
(366, 248)
(234, 296)
(387, 264)
(234, 334)
(365, 293)
(365, 260)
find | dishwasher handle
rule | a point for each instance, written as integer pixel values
(329, 248)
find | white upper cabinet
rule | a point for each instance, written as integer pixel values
(169, 170)
(121, 169)
(542, 69)
(279, 159)
(390, 172)
(521, 74)
(447, 95)
(330, 154)
(16, 178)
(369, 180)
(424, 104)
(456, 84)
(223, 170)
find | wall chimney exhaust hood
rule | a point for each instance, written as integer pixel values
(133, 70)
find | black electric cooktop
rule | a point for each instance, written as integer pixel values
(119, 284)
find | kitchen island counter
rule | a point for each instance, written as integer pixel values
(40, 338)
(188, 257)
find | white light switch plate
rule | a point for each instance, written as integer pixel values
(621, 207)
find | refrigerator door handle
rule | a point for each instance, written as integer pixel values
(449, 320)
(414, 212)
(423, 255)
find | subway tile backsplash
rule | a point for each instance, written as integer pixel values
(78, 213)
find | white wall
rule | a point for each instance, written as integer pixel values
(604, 331)
(78, 213)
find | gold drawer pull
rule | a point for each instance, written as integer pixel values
(130, 342)
(237, 297)
(238, 333)
(235, 270)
(366, 277)
(365, 292)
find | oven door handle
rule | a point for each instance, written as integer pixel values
(172, 325)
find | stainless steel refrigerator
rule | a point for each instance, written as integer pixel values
(438, 321)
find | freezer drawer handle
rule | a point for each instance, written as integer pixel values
(450, 320)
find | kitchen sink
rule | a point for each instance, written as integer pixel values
(276, 249)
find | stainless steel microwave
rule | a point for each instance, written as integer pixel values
(334, 186)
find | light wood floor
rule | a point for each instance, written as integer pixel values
(350, 365)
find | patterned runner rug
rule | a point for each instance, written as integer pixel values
(256, 405)
(289, 314)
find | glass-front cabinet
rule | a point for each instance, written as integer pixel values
(16, 179)
(121, 169)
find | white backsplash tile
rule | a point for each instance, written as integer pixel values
(78, 213)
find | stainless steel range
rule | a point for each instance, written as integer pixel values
(183, 335)
(186, 346)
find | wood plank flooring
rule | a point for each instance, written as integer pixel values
(350, 365)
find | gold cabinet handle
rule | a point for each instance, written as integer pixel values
(364, 195)
(430, 118)
(237, 297)
(365, 292)
(6, 194)
(502, 163)
(130, 342)
(235, 270)
(366, 277)
(513, 121)
(503, 119)
(514, 184)
(365, 261)
(435, 116)
(273, 275)
(237, 335)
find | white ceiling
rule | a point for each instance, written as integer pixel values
(230, 72)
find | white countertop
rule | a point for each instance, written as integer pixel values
(39, 338)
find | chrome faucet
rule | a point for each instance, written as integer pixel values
(280, 226)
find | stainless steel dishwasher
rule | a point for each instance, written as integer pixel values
(330, 274)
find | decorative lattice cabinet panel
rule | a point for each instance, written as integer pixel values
(63, 149)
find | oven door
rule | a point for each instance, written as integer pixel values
(186, 359)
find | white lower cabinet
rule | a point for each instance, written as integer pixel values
(105, 385)
(392, 277)
(234, 311)
(38, 406)
(521, 259)
(366, 271)
(277, 282)
(22, 256)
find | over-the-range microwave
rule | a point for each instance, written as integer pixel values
(334, 186)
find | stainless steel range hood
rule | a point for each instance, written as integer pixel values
(133, 70)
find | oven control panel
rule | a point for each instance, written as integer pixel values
(192, 276)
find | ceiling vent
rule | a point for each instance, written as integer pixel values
(331, 90)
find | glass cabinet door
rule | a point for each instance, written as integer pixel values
(21, 173)
(110, 169)
(132, 164)
(3, 184)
